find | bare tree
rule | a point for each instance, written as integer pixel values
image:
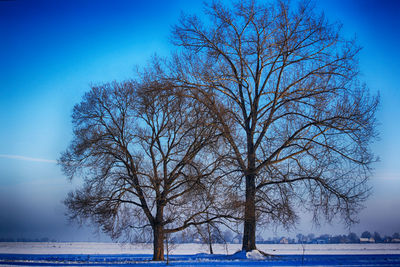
(145, 154)
(300, 123)
(210, 233)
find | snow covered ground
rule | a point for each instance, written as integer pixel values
(112, 254)
(190, 249)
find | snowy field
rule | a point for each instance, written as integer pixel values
(112, 254)
(190, 249)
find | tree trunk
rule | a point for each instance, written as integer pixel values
(209, 237)
(249, 231)
(158, 242)
(210, 246)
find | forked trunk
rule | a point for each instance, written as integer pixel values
(249, 231)
(158, 243)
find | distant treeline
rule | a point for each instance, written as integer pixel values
(366, 237)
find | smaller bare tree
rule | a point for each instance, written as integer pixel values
(145, 153)
(210, 232)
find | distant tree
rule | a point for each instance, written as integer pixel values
(228, 236)
(353, 238)
(144, 152)
(387, 239)
(311, 236)
(283, 84)
(338, 239)
(325, 237)
(396, 235)
(237, 238)
(300, 238)
(366, 234)
(377, 237)
(209, 234)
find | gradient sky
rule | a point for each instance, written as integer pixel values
(51, 51)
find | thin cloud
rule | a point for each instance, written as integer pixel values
(27, 158)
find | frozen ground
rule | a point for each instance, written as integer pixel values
(190, 249)
(111, 254)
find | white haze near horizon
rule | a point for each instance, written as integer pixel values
(28, 212)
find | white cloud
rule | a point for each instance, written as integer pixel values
(27, 158)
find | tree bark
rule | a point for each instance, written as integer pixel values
(158, 242)
(210, 247)
(209, 238)
(249, 231)
(159, 235)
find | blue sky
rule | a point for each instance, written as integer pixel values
(51, 51)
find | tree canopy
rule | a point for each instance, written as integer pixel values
(145, 152)
(300, 121)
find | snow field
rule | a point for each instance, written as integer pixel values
(191, 249)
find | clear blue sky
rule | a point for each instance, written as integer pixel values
(51, 51)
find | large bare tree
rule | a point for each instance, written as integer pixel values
(300, 123)
(145, 153)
